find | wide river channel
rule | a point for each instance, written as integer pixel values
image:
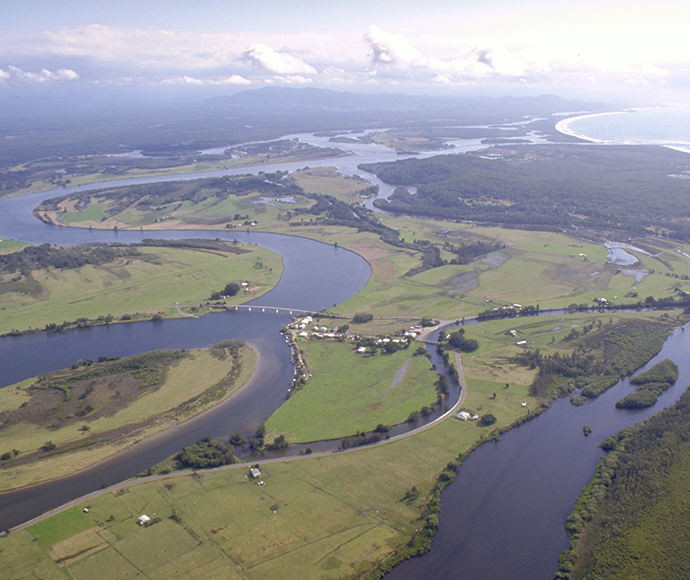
(504, 516)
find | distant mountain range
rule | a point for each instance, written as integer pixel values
(324, 106)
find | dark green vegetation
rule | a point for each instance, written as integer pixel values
(459, 341)
(631, 188)
(230, 289)
(60, 398)
(214, 202)
(47, 256)
(206, 453)
(598, 358)
(632, 520)
(650, 385)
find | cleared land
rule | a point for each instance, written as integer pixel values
(63, 421)
(336, 402)
(336, 516)
(327, 517)
(545, 268)
(155, 281)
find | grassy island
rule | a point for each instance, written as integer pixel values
(62, 421)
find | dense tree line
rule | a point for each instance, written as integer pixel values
(551, 186)
(47, 256)
(633, 512)
(650, 385)
(594, 369)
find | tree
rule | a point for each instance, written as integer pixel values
(487, 420)
(231, 289)
(236, 439)
(458, 340)
(362, 317)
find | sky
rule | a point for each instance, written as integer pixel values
(598, 49)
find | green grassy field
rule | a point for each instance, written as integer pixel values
(333, 516)
(336, 401)
(545, 268)
(160, 280)
(191, 385)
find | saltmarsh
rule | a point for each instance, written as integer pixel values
(94, 418)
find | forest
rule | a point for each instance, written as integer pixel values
(636, 189)
(631, 521)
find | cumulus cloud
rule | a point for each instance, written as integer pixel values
(395, 57)
(386, 48)
(236, 80)
(264, 58)
(16, 74)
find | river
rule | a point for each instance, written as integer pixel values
(504, 515)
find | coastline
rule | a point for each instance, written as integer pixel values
(563, 126)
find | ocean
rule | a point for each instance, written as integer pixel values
(669, 126)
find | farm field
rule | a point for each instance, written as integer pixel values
(335, 402)
(155, 282)
(331, 516)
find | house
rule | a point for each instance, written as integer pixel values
(144, 520)
(362, 349)
(255, 472)
(521, 342)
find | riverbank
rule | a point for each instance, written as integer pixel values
(65, 421)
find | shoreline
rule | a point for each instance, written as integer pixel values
(563, 126)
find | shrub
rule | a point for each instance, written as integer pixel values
(487, 420)
(362, 317)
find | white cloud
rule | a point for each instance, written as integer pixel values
(45, 75)
(386, 48)
(182, 81)
(235, 80)
(264, 58)
(295, 80)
